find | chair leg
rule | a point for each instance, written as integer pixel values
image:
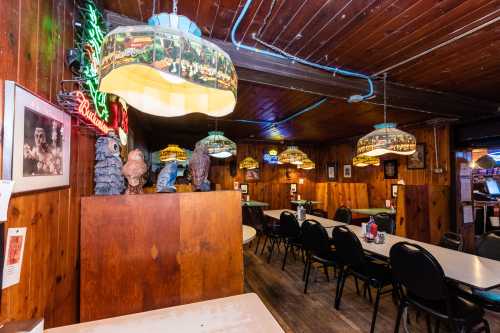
(258, 242)
(287, 247)
(436, 328)
(337, 301)
(375, 309)
(305, 269)
(265, 242)
(428, 322)
(273, 241)
(357, 285)
(325, 269)
(486, 326)
(398, 317)
(308, 272)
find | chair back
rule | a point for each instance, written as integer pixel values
(308, 206)
(315, 238)
(385, 222)
(319, 213)
(348, 247)
(453, 241)
(343, 214)
(418, 271)
(489, 245)
(247, 215)
(289, 226)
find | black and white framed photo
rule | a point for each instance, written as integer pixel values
(391, 169)
(347, 171)
(36, 141)
(417, 159)
(394, 190)
(331, 171)
(244, 188)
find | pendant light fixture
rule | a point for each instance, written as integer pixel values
(307, 164)
(166, 69)
(218, 145)
(386, 138)
(249, 163)
(291, 155)
(364, 161)
(173, 153)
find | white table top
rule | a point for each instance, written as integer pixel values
(242, 313)
(249, 234)
(472, 270)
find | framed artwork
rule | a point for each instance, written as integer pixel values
(36, 141)
(347, 171)
(293, 188)
(236, 186)
(417, 159)
(394, 190)
(244, 188)
(252, 175)
(331, 171)
(391, 169)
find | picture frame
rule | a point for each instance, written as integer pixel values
(417, 159)
(331, 171)
(391, 169)
(37, 141)
(252, 175)
(244, 188)
(394, 190)
(347, 171)
(293, 188)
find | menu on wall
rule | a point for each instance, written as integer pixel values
(14, 250)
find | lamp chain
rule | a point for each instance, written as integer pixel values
(154, 8)
(174, 7)
(385, 98)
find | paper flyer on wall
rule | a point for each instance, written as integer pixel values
(6, 187)
(14, 250)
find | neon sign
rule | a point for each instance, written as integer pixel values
(90, 38)
(88, 114)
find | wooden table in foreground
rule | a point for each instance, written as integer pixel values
(241, 313)
(474, 271)
(373, 211)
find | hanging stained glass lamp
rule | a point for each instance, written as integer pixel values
(386, 138)
(291, 155)
(166, 69)
(218, 145)
(307, 164)
(173, 153)
(249, 163)
(364, 161)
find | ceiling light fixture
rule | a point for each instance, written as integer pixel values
(218, 145)
(166, 69)
(249, 163)
(364, 161)
(307, 164)
(386, 138)
(291, 155)
(173, 153)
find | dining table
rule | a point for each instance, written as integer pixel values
(468, 269)
(249, 233)
(373, 211)
(303, 202)
(254, 203)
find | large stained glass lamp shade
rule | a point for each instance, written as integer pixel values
(249, 163)
(307, 164)
(167, 69)
(364, 161)
(218, 145)
(291, 155)
(173, 153)
(386, 139)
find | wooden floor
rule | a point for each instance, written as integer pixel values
(282, 292)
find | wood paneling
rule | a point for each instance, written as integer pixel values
(33, 38)
(143, 252)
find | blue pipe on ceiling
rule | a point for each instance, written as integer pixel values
(353, 98)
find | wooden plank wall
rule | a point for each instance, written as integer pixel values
(274, 184)
(33, 38)
(333, 195)
(145, 252)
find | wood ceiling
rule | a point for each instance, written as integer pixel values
(364, 35)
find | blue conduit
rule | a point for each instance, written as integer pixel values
(354, 98)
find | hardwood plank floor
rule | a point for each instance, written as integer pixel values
(282, 292)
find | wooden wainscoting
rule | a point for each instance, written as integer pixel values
(143, 252)
(333, 195)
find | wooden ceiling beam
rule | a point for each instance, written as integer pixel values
(262, 69)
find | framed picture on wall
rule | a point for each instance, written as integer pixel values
(394, 190)
(252, 175)
(417, 159)
(36, 138)
(347, 171)
(331, 171)
(293, 188)
(391, 169)
(244, 188)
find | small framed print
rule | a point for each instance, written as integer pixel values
(347, 171)
(417, 159)
(293, 188)
(391, 169)
(244, 188)
(236, 186)
(394, 190)
(331, 171)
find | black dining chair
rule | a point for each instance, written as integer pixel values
(319, 213)
(277, 234)
(291, 233)
(254, 217)
(343, 214)
(317, 247)
(452, 241)
(354, 262)
(271, 231)
(385, 222)
(420, 281)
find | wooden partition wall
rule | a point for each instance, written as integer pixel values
(143, 252)
(334, 195)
